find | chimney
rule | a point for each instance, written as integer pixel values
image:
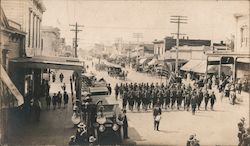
(221, 42)
(183, 37)
(187, 38)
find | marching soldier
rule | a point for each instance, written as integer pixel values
(187, 100)
(154, 96)
(173, 97)
(179, 99)
(121, 89)
(124, 99)
(131, 99)
(160, 98)
(146, 99)
(167, 97)
(138, 99)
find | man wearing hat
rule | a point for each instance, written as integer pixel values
(81, 133)
(193, 102)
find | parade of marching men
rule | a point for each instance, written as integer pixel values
(93, 73)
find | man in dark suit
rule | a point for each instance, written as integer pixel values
(212, 100)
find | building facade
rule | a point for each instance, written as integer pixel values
(11, 46)
(50, 41)
(28, 13)
(239, 58)
(190, 52)
(162, 47)
(159, 48)
(145, 50)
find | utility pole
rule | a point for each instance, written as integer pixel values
(75, 40)
(178, 20)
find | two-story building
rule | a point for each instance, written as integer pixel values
(28, 13)
(31, 66)
(239, 59)
(161, 47)
(11, 46)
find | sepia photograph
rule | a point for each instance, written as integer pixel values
(124, 73)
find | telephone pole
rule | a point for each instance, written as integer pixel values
(75, 40)
(178, 20)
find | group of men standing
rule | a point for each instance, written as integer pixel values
(175, 96)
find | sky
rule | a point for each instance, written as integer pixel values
(105, 21)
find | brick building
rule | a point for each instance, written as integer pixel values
(161, 46)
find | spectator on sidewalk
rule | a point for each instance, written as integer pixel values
(59, 99)
(61, 77)
(64, 87)
(54, 101)
(53, 77)
(239, 86)
(48, 101)
(109, 89)
(65, 99)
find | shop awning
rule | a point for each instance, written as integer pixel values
(142, 61)
(7, 81)
(190, 65)
(201, 68)
(152, 62)
(243, 60)
(47, 62)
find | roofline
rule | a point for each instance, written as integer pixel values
(8, 27)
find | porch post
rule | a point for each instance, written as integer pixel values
(37, 83)
(234, 69)
(206, 70)
(78, 86)
(219, 72)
